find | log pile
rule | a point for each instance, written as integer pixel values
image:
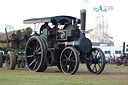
(17, 38)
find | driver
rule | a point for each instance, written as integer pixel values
(44, 26)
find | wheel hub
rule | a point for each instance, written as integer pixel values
(68, 60)
(35, 53)
(95, 61)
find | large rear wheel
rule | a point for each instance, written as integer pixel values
(69, 60)
(35, 53)
(96, 61)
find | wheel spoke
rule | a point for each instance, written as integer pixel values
(33, 44)
(73, 65)
(73, 61)
(70, 54)
(99, 65)
(95, 68)
(30, 56)
(38, 49)
(31, 49)
(37, 46)
(39, 58)
(97, 56)
(39, 53)
(35, 65)
(65, 56)
(64, 59)
(32, 62)
(65, 64)
(93, 54)
(90, 63)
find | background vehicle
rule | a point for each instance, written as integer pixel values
(123, 59)
(111, 53)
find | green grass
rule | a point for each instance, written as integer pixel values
(52, 76)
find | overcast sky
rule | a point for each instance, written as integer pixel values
(13, 12)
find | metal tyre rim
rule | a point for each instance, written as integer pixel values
(96, 61)
(69, 60)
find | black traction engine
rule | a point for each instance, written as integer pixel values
(62, 43)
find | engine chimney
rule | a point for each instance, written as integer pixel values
(83, 20)
(123, 47)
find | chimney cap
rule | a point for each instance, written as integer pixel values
(83, 10)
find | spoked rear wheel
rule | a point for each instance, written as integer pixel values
(69, 60)
(35, 54)
(96, 61)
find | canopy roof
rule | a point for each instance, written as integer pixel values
(54, 20)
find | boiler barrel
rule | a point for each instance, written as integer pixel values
(83, 44)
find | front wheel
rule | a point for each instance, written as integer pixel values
(69, 60)
(95, 61)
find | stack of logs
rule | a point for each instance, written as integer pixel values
(16, 38)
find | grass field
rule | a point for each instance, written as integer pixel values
(112, 75)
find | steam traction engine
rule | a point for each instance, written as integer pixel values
(123, 59)
(63, 45)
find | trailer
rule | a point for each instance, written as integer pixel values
(13, 55)
(12, 58)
